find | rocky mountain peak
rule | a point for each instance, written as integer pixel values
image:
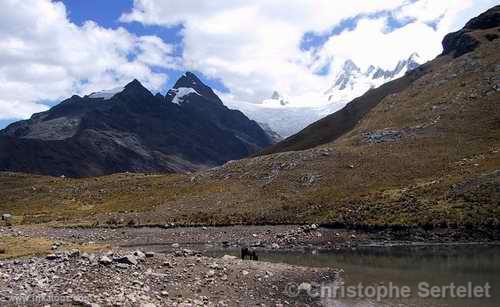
(487, 20)
(462, 42)
(136, 89)
(190, 81)
(277, 97)
(350, 66)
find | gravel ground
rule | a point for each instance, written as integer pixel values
(133, 278)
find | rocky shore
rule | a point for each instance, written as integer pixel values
(152, 267)
(136, 278)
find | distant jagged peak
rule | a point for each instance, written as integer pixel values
(350, 66)
(188, 84)
(277, 98)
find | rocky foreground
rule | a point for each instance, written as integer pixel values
(141, 266)
(168, 266)
(124, 278)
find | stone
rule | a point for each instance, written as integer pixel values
(244, 272)
(150, 254)
(122, 266)
(128, 259)
(105, 260)
(275, 246)
(229, 257)
(175, 245)
(139, 255)
(74, 253)
(52, 257)
(211, 273)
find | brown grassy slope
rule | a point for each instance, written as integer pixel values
(437, 164)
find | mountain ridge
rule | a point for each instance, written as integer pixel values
(130, 130)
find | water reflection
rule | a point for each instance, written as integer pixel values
(406, 266)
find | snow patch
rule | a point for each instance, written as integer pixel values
(107, 94)
(182, 92)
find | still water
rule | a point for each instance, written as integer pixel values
(417, 268)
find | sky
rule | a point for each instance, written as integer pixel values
(50, 50)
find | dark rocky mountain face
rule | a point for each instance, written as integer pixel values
(462, 42)
(131, 130)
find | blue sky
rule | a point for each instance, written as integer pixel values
(107, 14)
(246, 50)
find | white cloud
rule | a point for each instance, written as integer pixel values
(45, 57)
(254, 46)
(16, 109)
(370, 43)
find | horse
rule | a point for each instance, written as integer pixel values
(245, 251)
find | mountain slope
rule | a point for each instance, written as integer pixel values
(130, 129)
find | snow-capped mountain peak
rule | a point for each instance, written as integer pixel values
(189, 83)
(106, 94)
(351, 82)
(288, 115)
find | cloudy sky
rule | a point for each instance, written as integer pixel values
(50, 50)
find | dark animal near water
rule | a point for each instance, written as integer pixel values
(245, 251)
